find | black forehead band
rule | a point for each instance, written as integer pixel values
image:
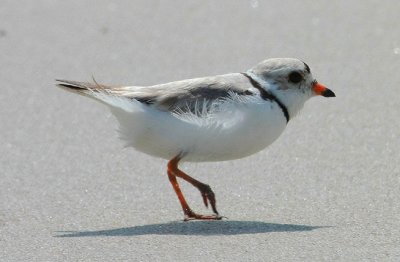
(307, 68)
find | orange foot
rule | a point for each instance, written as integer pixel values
(190, 215)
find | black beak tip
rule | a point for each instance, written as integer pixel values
(328, 93)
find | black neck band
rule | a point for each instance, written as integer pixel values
(268, 96)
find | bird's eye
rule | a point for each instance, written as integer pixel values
(295, 77)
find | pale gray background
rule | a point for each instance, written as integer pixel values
(328, 189)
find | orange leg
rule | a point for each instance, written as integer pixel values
(205, 190)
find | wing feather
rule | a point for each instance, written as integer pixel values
(196, 95)
(192, 95)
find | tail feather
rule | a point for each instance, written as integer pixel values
(81, 87)
(100, 92)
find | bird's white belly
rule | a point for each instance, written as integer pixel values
(236, 131)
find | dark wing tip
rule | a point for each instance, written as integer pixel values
(69, 84)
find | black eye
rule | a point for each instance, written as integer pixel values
(295, 77)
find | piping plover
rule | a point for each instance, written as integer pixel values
(214, 118)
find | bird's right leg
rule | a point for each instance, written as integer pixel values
(188, 212)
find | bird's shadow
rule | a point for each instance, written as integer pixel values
(203, 228)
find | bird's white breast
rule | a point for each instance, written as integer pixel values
(236, 130)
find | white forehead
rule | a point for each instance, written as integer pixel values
(279, 64)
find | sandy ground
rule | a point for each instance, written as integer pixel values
(328, 189)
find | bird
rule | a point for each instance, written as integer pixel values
(214, 118)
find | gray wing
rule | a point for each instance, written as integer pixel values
(190, 95)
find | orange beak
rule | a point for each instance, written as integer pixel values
(321, 90)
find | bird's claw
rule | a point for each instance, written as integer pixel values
(208, 197)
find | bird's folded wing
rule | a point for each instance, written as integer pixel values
(190, 95)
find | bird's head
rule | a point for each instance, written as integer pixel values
(290, 80)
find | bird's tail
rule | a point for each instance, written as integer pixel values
(82, 88)
(99, 92)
